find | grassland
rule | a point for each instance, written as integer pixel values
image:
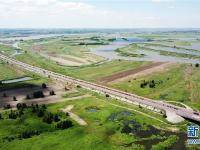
(112, 125)
(90, 72)
(65, 50)
(93, 72)
(134, 49)
(180, 83)
(104, 130)
(9, 71)
(6, 49)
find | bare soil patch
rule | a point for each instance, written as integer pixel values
(20, 94)
(146, 69)
(75, 117)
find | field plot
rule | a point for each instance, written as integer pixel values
(137, 71)
(67, 51)
(95, 72)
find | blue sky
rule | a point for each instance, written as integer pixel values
(99, 13)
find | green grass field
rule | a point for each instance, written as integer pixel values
(89, 72)
(180, 83)
(102, 132)
(7, 50)
(9, 71)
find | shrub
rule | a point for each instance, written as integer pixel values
(12, 115)
(165, 144)
(44, 107)
(56, 118)
(21, 106)
(8, 106)
(48, 118)
(126, 129)
(28, 134)
(64, 124)
(38, 94)
(40, 112)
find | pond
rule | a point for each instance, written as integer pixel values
(109, 52)
(92, 109)
(171, 49)
(144, 132)
(16, 80)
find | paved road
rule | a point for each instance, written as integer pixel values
(131, 98)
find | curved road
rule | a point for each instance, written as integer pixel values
(124, 96)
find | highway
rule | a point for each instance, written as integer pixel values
(124, 96)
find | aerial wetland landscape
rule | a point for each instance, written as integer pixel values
(45, 102)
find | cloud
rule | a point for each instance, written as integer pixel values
(70, 14)
(37, 5)
(53, 13)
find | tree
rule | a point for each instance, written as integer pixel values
(107, 95)
(38, 94)
(66, 89)
(1, 116)
(14, 98)
(142, 85)
(78, 86)
(21, 106)
(52, 93)
(48, 118)
(21, 112)
(67, 114)
(12, 115)
(4, 95)
(126, 129)
(8, 106)
(56, 118)
(44, 107)
(28, 134)
(152, 85)
(196, 65)
(28, 97)
(40, 112)
(44, 86)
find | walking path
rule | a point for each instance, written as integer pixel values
(75, 117)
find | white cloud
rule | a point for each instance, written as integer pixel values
(38, 5)
(68, 14)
